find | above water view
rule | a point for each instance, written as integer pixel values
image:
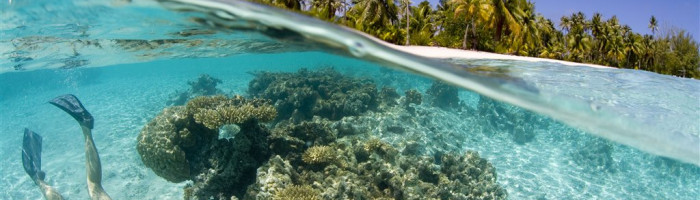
(224, 99)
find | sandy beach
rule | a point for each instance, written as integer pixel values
(443, 53)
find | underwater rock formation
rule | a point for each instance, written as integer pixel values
(501, 117)
(595, 155)
(388, 96)
(443, 95)
(182, 143)
(204, 86)
(305, 94)
(412, 97)
(372, 169)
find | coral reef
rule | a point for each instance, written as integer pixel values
(226, 166)
(305, 94)
(216, 111)
(182, 143)
(324, 144)
(500, 117)
(388, 96)
(413, 97)
(297, 192)
(319, 155)
(272, 177)
(204, 86)
(164, 141)
(443, 95)
(371, 169)
(595, 155)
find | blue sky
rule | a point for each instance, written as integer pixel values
(684, 14)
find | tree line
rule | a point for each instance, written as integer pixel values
(512, 27)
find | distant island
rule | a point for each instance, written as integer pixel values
(511, 27)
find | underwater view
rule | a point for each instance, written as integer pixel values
(216, 99)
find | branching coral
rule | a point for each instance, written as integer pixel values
(217, 111)
(297, 192)
(319, 155)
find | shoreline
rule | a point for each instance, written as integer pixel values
(444, 53)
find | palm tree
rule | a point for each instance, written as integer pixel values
(506, 14)
(326, 9)
(565, 24)
(596, 26)
(472, 11)
(653, 25)
(289, 4)
(374, 16)
(406, 9)
(422, 23)
(580, 43)
(526, 42)
(633, 49)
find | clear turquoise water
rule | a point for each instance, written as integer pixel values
(125, 86)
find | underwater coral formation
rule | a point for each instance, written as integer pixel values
(412, 96)
(519, 123)
(204, 86)
(216, 111)
(325, 93)
(372, 169)
(324, 144)
(297, 192)
(443, 95)
(182, 143)
(319, 155)
(595, 155)
(388, 96)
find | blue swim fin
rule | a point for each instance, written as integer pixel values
(74, 108)
(31, 155)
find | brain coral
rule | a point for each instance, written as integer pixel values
(162, 144)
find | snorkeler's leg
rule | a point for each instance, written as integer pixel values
(72, 106)
(31, 159)
(93, 167)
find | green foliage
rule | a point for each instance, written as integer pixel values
(511, 27)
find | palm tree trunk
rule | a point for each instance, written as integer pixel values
(408, 23)
(464, 40)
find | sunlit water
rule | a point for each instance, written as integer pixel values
(107, 54)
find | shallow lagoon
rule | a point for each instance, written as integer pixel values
(533, 156)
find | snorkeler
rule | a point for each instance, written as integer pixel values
(31, 158)
(31, 151)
